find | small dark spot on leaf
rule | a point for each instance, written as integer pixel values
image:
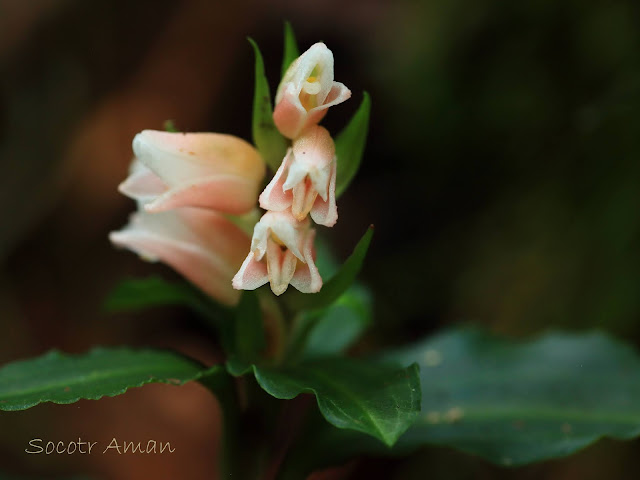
(67, 389)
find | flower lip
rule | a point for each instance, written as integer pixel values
(316, 64)
(284, 227)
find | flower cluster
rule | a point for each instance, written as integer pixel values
(191, 189)
(282, 250)
(186, 186)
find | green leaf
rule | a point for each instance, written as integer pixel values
(350, 145)
(268, 140)
(60, 378)
(340, 325)
(338, 284)
(140, 293)
(291, 51)
(249, 329)
(516, 403)
(378, 400)
(508, 402)
(334, 329)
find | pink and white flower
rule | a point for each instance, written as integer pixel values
(306, 179)
(282, 254)
(211, 170)
(306, 91)
(202, 245)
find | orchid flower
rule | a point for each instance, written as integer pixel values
(201, 244)
(281, 253)
(306, 179)
(306, 91)
(211, 170)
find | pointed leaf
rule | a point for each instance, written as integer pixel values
(350, 145)
(378, 400)
(291, 50)
(338, 284)
(266, 137)
(511, 403)
(61, 378)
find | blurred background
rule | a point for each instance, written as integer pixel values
(501, 174)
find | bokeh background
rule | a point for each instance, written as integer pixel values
(501, 173)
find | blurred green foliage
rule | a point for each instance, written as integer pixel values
(510, 138)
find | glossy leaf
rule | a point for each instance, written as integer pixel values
(516, 403)
(508, 402)
(338, 284)
(291, 50)
(266, 137)
(61, 378)
(378, 400)
(350, 145)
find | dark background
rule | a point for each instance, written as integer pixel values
(501, 173)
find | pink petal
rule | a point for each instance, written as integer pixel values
(142, 184)
(314, 148)
(179, 157)
(307, 278)
(252, 274)
(281, 266)
(274, 197)
(224, 193)
(289, 115)
(200, 169)
(304, 196)
(284, 226)
(326, 212)
(338, 94)
(207, 256)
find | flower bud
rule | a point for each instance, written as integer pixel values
(210, 170)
